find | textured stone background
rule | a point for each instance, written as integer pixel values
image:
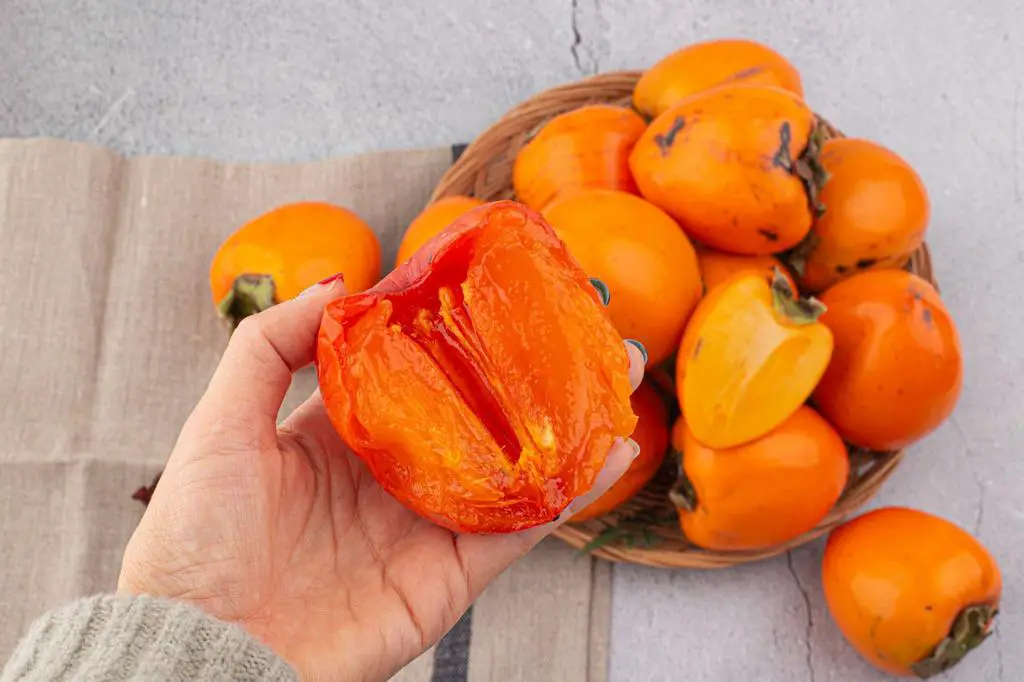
(940, 82)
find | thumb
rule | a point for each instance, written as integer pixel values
(265, 350)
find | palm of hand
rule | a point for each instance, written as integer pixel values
(306, 552)
(284, 531)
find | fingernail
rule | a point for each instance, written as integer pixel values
(327, 282)
(602, 290)
(640, 347)
(636, 447)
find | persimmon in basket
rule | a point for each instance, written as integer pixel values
(586, 147)
(710, 64)
(736, 166)
(750, 356)
(651, 434)
(636, 249)
(897, 368)
(434, 218)
(281, 253)
(717, 267)
(763, 493)
(912, 592)
(482, 381)
(875, 215)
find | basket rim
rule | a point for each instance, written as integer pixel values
(469, 175)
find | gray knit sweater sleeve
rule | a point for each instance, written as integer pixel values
(117, 638)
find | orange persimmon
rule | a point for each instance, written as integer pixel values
(750, 356)
(651, 434)
(897, 369)
(278, 255)
(434, 218)
(736, 166)
(763, 493)
(706, 65)
(913, 593)
(876, 213)
(717, 267)
(586, 147)
(482, 381)
(636, 249)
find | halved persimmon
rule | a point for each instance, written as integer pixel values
(651, 434)
(482, 381)
(763, 493)
(751, 355)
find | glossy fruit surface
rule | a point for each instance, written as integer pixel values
(765, 492)
(750, 356)
(897, 369)
(584, 148)
(651, 434)
(481, 382)
(280, 254)
(912, 592)
(735, 166)
(706, 65)
(643, 257)
(876, 213)
(434, 218)
(717, 267)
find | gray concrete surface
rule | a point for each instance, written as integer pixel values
(940, 82)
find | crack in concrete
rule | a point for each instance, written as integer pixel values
(578, 48)
(979, 514)
(810, 614)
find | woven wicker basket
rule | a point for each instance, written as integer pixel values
(485, 171)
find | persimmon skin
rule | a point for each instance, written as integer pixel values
(717, 267)
(895, 580)
(651, 434)
(432, 220)
(298, 245)
(897, 369)
(722, 164)
(744, 366)
(636, 249)
(587, 147)
(876, 214)
(706, 65)
(481, 382)
(765, 492)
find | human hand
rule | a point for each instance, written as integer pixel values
(282, 529)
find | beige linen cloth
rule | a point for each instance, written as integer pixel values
(108, 337)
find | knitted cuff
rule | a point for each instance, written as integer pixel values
(109, 637)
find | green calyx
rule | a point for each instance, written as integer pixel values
(809, 169)
(798, 256)
(972, 627)
(792, 307)
(250, 294)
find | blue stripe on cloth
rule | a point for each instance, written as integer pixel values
(451, 655)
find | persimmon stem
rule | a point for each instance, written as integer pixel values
(809, 169)
(798, 256)
(682, 493)
(250, 294)
(787, 304)
(972, 627)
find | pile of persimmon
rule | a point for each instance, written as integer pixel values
(759, 260)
